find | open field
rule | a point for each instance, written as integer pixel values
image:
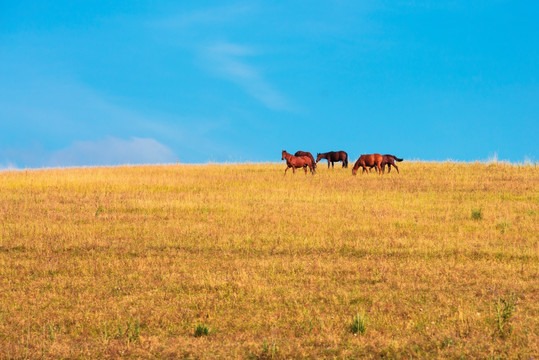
(439, 261)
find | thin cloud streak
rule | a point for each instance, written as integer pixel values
(103, 152)
(113, 151)
(227, 61)
(194, 32)
(70, 110)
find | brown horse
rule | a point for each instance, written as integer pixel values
(368, 160)
(333, 156)
(388, 160)
(297, 162)
(306, 153)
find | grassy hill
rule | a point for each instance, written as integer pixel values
(237, 261)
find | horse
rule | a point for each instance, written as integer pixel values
(368, 160)
(306, 153)
(333, 156)
(297, 162)
(388, 160)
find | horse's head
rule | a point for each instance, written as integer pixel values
(318, 157)
(355, 168)
(283, 155)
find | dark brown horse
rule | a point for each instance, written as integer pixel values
(306, 153)
(367, 161)
(388, 160)
(333, 156)
(297, 162)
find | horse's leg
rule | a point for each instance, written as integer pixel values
(379, 169)
(328, 163)
(396, 168)
(293, 169)
(288, 167)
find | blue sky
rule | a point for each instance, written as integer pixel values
(106, 83)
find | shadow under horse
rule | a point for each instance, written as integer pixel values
(297, 162)
(368, 160)
(332, 157)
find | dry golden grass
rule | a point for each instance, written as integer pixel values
(440, 261)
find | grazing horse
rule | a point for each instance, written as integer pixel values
(368, 160)
(297, 162)
(333, 156)
(388, 160)
(306, 153)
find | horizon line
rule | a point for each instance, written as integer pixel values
(526, 162)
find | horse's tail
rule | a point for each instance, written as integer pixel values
(397, 159)
(345, 160)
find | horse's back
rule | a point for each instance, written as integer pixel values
(371, 159)
(301, 160)
(388, 159)
(336, 155)
(304, 153)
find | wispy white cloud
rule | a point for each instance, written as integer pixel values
(229, 62)
(45, 117)
(197, 32)
(102, 152)
(112, 151)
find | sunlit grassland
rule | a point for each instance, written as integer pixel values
(239, 261)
